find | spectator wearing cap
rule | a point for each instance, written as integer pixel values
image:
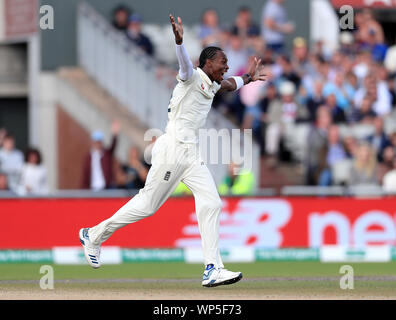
(34, 175)
(11, 161)
(275, 25)
(347, 43)
(121, 16)
(134, 33)
(98, 164)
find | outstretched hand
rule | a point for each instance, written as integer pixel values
(256, 71)
(177, 28)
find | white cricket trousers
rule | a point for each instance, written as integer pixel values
(172, 162)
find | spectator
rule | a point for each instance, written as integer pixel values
(379, 140)
(134, 33)
(244, 26)
(3, 182)
(287, 71)
(315, 100)
(365, 113)
(389, 181)
(347, 43)
(350, 146)
(209, 31)
(366, 26)
(317, 140)
(382, 99)
(337, 114)
(34, 175)
(300, 59)
(98, 164)
(135, 171)
(271, 94)
(237, 181)
(121, 16)
(387, 163)
(11, 161)
(237, 55)
(275, 25)
(364, 167)
(340, 92)
(335, 152)
(250, 97)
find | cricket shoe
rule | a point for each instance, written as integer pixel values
(91, 252)
(214, 277)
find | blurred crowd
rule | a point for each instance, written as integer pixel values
(22, 173)
(311, 86)
(328, 92)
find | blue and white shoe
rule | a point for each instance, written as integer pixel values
(214, 277)
(91, 252)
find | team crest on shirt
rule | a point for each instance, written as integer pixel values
(202, 86)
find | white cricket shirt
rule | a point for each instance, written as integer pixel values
(189, 106)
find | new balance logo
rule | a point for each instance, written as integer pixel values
(167, 175)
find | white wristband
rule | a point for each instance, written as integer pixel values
(239, 82)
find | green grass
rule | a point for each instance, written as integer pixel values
(179, 270)
(267, 279)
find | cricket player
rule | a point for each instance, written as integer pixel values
(175, 158)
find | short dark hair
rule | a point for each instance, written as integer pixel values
(208, 53)
(244, 8)
(33, 151)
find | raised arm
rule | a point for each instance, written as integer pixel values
(255, 73)
(185, 64)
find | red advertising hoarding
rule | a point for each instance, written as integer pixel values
(258, 222)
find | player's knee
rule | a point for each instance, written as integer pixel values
(214, 205)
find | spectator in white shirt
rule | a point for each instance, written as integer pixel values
(34, 175)
(11, 161)
(389, 181)
(98, 164)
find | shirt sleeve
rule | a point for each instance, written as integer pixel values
(185, 64)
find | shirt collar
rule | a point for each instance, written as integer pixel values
(204, 76)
